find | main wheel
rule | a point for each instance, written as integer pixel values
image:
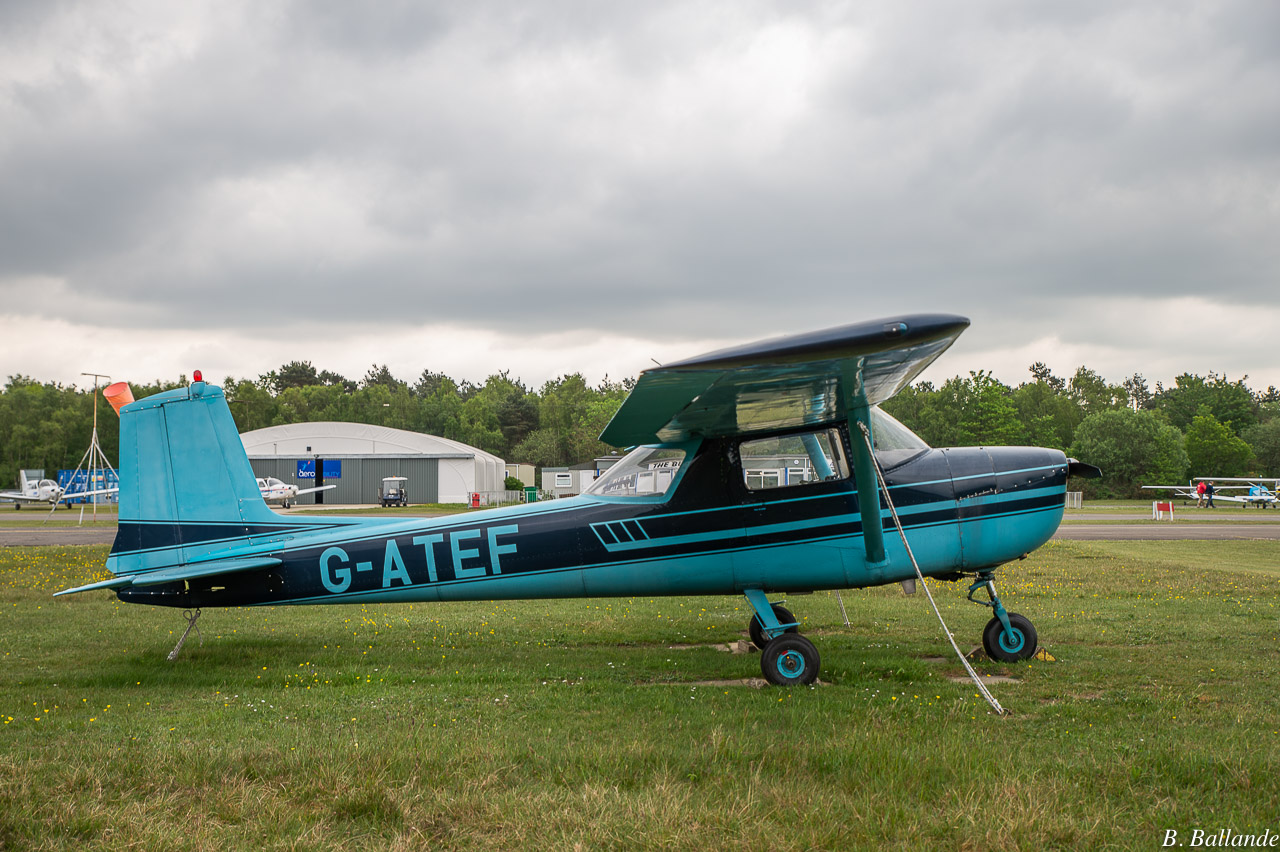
(1006, 646)
(790, 660)
(756, 629)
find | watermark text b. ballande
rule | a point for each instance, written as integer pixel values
(1222, 838)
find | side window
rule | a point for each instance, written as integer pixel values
(793, 460)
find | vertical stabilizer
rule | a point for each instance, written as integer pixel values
(186, 486)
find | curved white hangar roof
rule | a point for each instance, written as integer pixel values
(352, 439)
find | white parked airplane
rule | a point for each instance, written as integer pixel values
(33, 488)
(1260, 490)
(275, 491)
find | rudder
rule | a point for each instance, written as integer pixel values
(186, 486)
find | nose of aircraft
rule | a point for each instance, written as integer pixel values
(1009, 500)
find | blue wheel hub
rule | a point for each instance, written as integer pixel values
(1011, 640)
(791, 664)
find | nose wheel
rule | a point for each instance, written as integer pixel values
(1008, 636)
(1018, 642)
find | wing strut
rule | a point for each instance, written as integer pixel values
(864, 474)
(864, 463)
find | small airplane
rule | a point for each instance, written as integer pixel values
(275, 491)
(33, 488)
(1257, 493)
(677, 515)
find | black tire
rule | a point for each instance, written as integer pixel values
(1009, 649)
(790, 660)
(756, 629)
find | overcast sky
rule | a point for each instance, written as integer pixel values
(557, 187)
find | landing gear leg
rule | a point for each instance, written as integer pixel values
(788, 659)
(191, 617)
(1008, 636)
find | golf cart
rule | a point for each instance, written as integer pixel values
(394, 491)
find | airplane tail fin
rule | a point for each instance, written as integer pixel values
(186, 487)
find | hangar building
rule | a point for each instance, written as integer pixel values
(356, 456)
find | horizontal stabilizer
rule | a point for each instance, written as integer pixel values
(801, 380)
(182, 572)
(204, 569)
(113, 583)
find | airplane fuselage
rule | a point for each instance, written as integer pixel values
(962, 509)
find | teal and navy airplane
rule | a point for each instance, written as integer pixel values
(756, 471)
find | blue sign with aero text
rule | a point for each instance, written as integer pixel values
(332, 469)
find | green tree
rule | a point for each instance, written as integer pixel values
(252, 404)
(1231, 403)
(1264, 440)
(1133, 448)
(979, 410)
(1049, 415)
(1213, 450)
(380, 374)
(1093, 394)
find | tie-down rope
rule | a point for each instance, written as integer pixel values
(884, 488)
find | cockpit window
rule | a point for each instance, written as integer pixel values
(888, 434)
(643, 472)
(793, 460)
(893, 442)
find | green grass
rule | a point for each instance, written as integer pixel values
(575, 724)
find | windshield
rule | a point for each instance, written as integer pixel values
(894, 443)
(891, 435)
(643, 472)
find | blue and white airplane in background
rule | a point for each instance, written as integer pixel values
(678, 515)
(286, 494)
(1258, 491)
(34, 488)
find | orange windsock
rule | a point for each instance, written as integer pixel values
(118, 395)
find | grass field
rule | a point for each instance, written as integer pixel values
(577, 724)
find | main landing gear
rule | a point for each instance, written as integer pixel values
(788, 659)
(1008, 636)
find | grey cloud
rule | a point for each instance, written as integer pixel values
(506, 171)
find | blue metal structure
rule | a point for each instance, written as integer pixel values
(675, 517)
(80, 481)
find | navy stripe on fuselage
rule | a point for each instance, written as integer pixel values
(142, 536)
(728, 546)
(539, 553)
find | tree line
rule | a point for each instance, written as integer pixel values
(1200, 425)
(47, 425)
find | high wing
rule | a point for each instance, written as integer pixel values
(1247, 480)
(68, 495)
(317, 488)
(76, 495)
(802, 380)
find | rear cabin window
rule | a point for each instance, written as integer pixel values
(792, 460)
